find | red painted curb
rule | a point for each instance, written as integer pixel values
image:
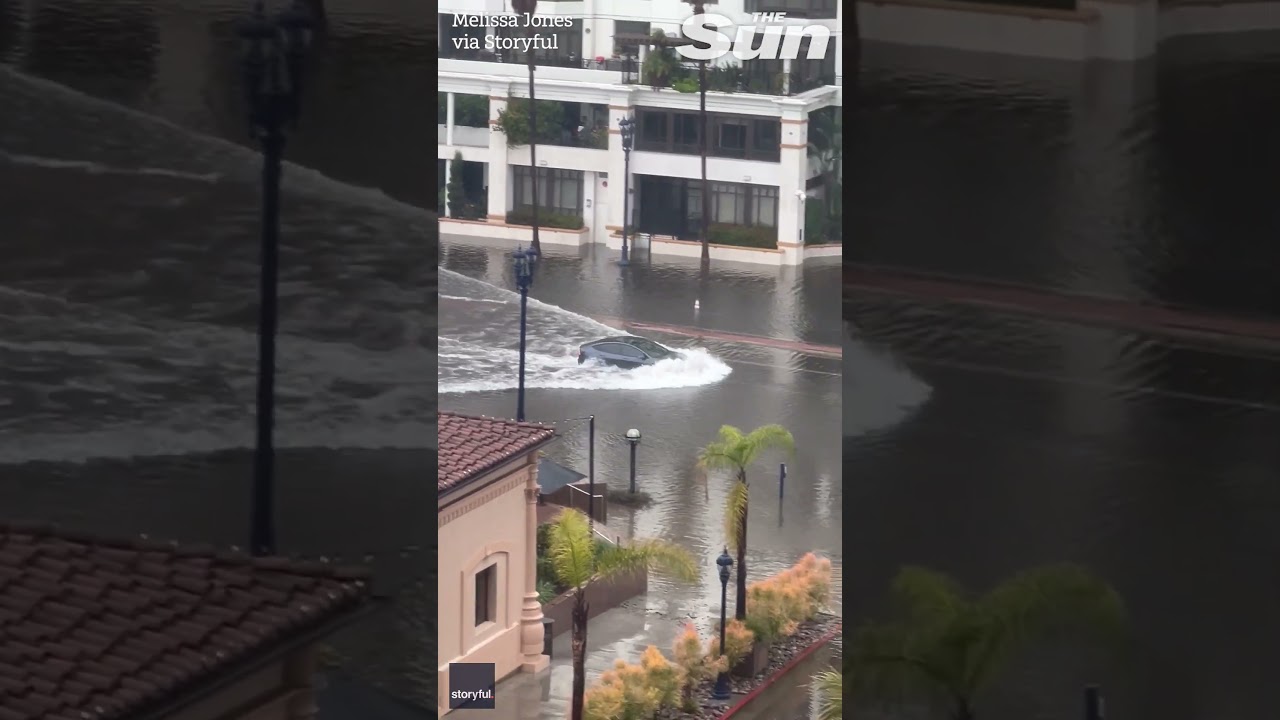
(707, 333)
(733, 709)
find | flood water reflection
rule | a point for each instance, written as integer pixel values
(1152, 461)
(129, 225)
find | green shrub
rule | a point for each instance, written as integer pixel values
(816, 222)
(662, 65)
(724, 78)
(685, 85)
(468, 110)
(545, 219)
(514, 121)
(743, 235)
(457, 196)
(471, 110)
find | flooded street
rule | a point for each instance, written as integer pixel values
(128, 293)
(677, 405)
(1149, 459)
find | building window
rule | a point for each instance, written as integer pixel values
(799, 8)
(764, 206)
(653, 127)
(732, 137)
(728, 203)
(487, 595)
(728, 136)
(559, 191)
(686, 131)
(627, 34)
(766, 133)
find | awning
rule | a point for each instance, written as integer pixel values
(553, 476)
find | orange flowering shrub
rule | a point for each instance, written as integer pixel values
(695, 665)
(737, 641)
(633, 691)
(660, 676)
(776, 606)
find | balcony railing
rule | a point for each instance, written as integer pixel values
(623, 65)
(758, 154)
(733, 79)
(729, 78)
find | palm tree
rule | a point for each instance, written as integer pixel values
(830, 688)
(944, 646)
(734, 451)
(575, 561)
(528, 8)
(700, 7)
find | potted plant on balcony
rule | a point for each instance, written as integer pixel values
(661, 65)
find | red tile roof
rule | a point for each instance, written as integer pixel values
(95, 630)
(471, 446)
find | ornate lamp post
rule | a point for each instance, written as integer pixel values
(628, 128)
(275, 49)
(633, 437)
(523, 263)
(721, 691)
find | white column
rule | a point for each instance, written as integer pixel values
(839, 38)
(499, 171)
(590, 31)
(792, 176)
(448, 119)
(786, 77)
(616, 166)
(531, 610)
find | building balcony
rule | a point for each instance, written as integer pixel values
(735, 79)
(570, 61)
(629, 71)
(463, 136)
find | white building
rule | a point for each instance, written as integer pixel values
(761, 169)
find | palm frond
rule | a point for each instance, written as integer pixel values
(721, 454)
(830, 687)
(655, 556)
(768, 437)
(922, 595)
(571, 549)
(892, 662)
(735, 512)
(1037, 604)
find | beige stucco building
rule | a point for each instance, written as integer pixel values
(487, 533)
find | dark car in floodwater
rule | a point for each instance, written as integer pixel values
(625, 351)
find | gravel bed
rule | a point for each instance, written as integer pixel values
(779, 654)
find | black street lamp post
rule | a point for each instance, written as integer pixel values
(523, 261)
(628, 128)
(275, 49)
(633, 437)
(721, 691)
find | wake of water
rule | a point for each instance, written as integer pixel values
(127, 314)
(878, 391)
(478, 322)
